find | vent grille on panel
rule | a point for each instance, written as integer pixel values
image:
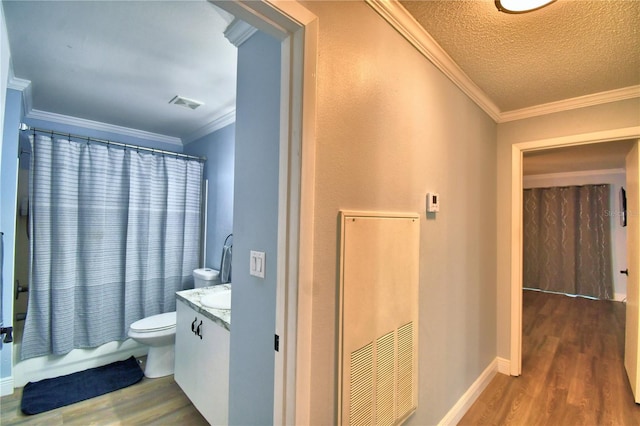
(390, 396)
(361, 386)
(385, 379)
(405, 369)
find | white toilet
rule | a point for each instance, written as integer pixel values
(159, 331)
(204, 277)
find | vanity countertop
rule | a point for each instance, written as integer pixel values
(192, 298)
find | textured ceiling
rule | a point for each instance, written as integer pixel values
(568, 49)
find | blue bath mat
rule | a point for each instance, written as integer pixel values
(49, 394)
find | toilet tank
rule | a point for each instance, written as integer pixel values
(204, 277)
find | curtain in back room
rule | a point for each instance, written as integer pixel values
(114, 234)
(567, 240)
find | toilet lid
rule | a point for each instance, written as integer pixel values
(155, 322)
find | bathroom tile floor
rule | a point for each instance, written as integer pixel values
(149, 402)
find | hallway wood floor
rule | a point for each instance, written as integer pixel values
(572, 368)
(149, 402)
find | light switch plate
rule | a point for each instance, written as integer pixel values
(257, 264)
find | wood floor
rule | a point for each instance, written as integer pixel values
(572, 368)
(572, 374)
(149, 402)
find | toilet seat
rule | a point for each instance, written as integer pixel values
(153, 323)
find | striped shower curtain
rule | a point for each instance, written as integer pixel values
(114, 234)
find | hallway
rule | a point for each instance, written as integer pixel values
(572, 368)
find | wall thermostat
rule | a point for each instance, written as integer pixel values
(433, 202)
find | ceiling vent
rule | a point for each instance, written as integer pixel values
(185, 102)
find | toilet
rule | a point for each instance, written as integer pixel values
(159, 331)
(205, 277)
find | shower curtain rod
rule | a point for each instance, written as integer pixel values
(25, 127)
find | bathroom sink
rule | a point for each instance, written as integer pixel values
(217, 300)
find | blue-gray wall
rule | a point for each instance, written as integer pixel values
(219, 148)
(255, 225)
(8, 192)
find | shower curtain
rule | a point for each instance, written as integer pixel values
(567, 240)
(114, 234)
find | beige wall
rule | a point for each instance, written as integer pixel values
(390, 128)
(611, 116)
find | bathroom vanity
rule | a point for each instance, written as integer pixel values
(202, 351)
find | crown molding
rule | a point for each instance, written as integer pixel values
(238, 32)
(99, 126)
(403, 22)
(16, 83)
(23, 86)
(217, 124)
(572, 103)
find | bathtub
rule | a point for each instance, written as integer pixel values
(44, 367)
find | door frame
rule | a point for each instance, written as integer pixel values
(631, 317)
(297, 29)
(517, 151)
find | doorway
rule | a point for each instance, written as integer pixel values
(296, 29)
(558, 183)
(517, 153)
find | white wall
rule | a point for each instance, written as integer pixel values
(390, 128)
(610, 116)
(616, 178)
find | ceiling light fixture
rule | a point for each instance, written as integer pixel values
(521, 6)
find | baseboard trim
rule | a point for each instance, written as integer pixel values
(6, 386)
(620, 297)
(469, 397)
(504, 366)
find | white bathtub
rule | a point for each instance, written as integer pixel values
(44, 367)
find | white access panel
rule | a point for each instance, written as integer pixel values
(379, 273)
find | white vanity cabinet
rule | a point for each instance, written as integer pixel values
(202, 362)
